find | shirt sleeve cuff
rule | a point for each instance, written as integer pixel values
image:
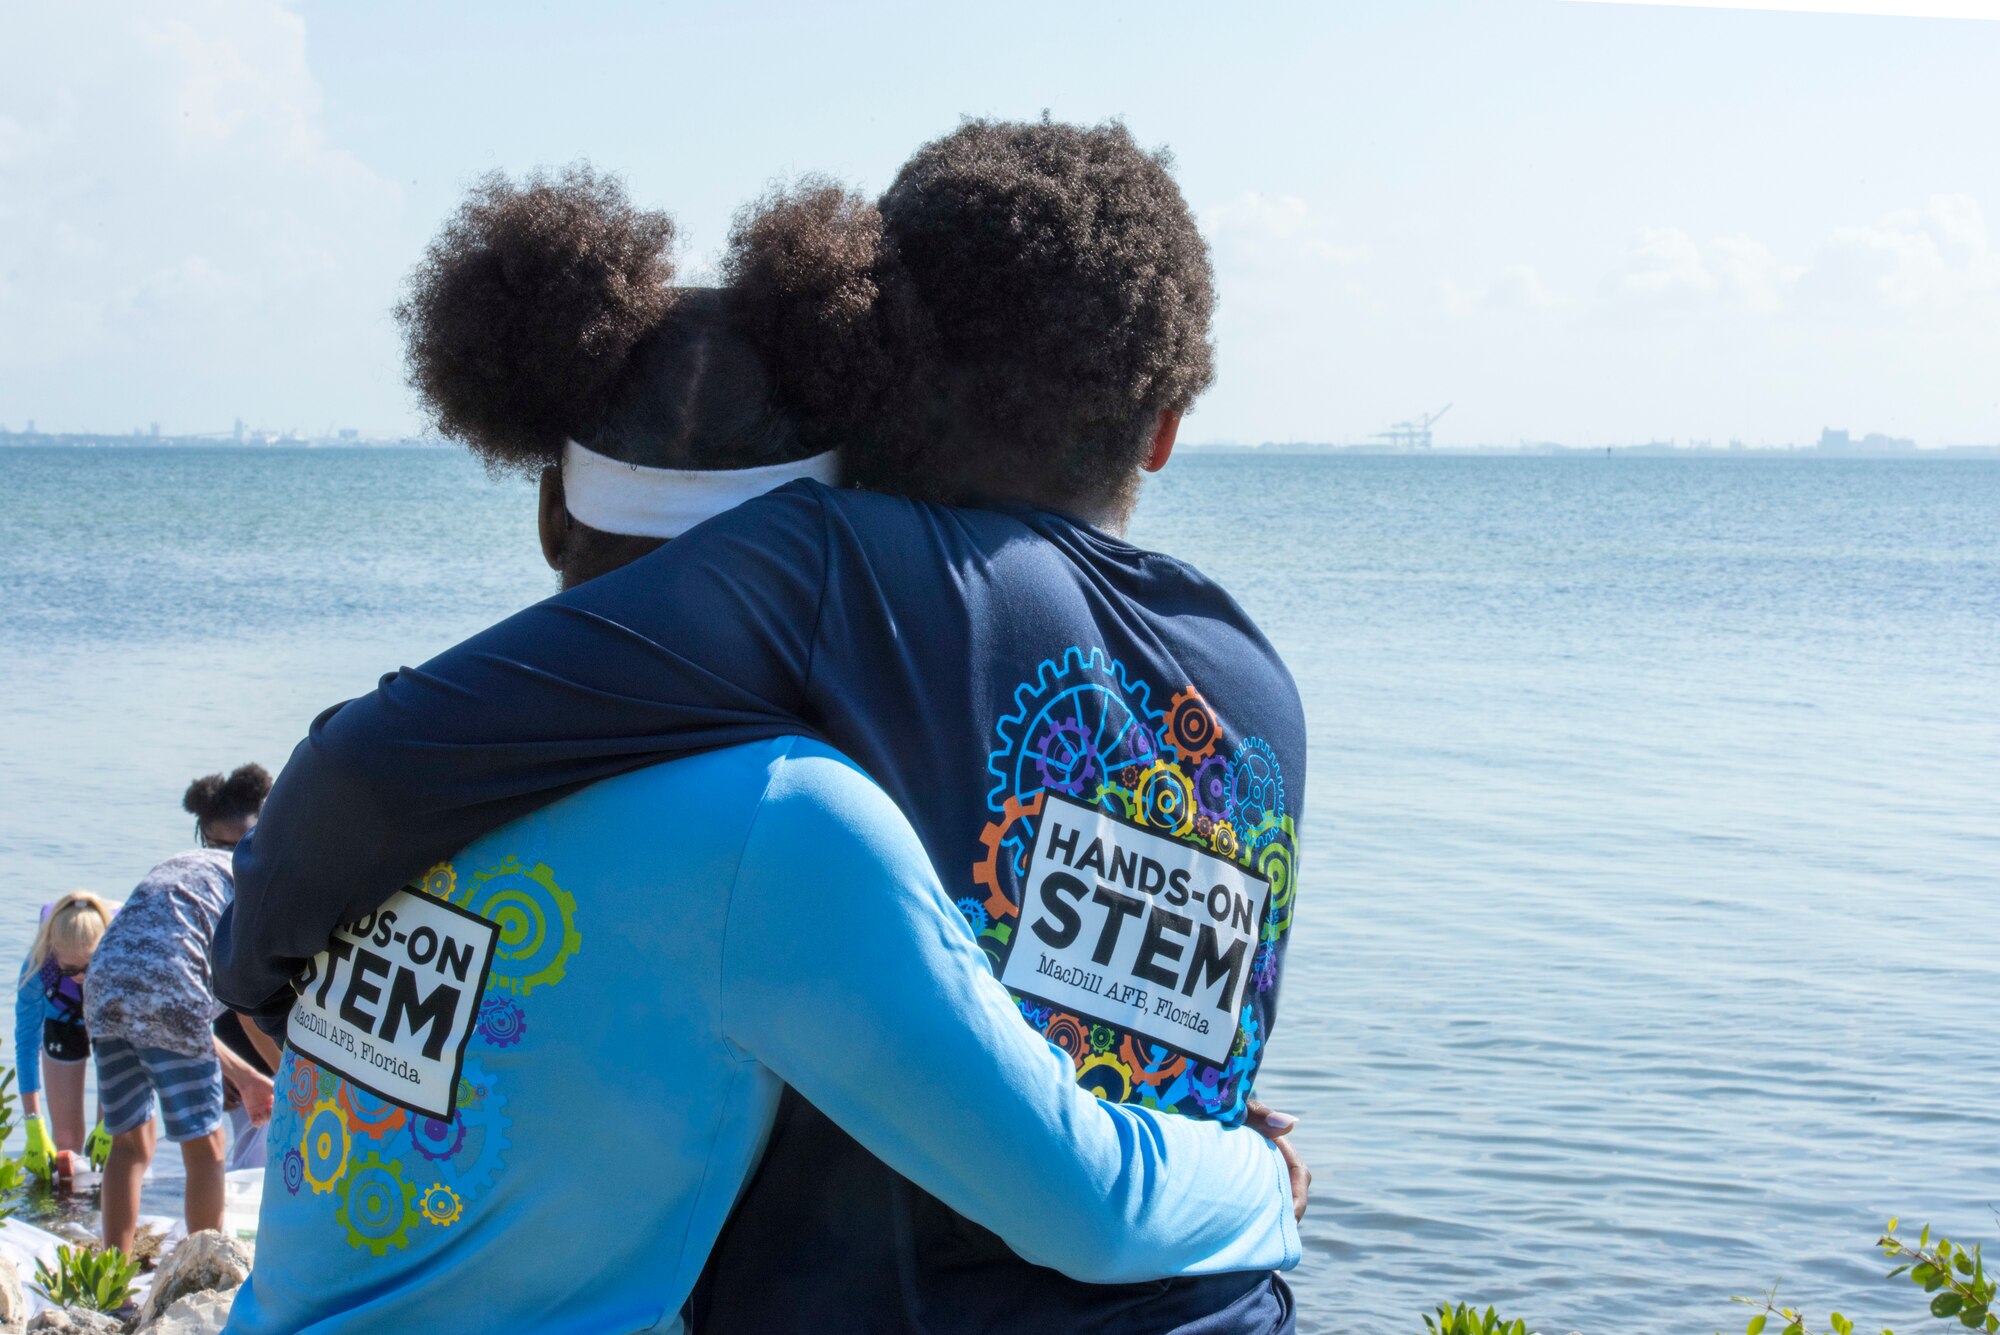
(1289, 1224)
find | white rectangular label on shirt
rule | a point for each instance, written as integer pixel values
(390, 1003)
(1134, 929)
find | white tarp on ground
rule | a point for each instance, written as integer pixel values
(27, 1246)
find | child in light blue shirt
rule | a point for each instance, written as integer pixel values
(666, 949)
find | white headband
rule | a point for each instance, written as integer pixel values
(616, 497)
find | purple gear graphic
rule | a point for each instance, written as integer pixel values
(295, 1172)
(436, 1140)
(501, 1020)
(1215, 788)
(1264, 972)
(1066, 758)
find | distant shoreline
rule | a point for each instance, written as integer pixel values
(1537, 450)
(1652, 450)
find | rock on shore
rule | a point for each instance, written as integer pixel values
(204, 1262)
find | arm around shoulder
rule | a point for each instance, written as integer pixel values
(849, 973)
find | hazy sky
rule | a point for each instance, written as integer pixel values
(1578, 222)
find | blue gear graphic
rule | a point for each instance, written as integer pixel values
(1087, 700)
(1259, 788)
(470, 1156)
(1088, 689)
(975, 913)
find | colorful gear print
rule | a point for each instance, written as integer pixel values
(1192, 729)
(440, 881)
(537, 922)
(1106, 1077)
(1066, 759)
(1094, 706)
(1165, 798)
(469, 1152)
(1259, 785)
(369, 1115)
(323, 1146)
(302, 1084)
(295, 1172)
(441, 1205)
(436, 1140)
(1116, 800)
(329, 1084)
(1215, 788)
(1264, 972)
(1223, 840)
(975, 913)
(1274, 863)
(376, 1208)
(1154, 1070)
(1067, 1033)
(1036, 1016)
(1089, 689)
(1101, 1036)
(501, 1020)
(995, 837)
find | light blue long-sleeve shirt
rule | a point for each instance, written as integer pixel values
(30, 1006)
(669, 947)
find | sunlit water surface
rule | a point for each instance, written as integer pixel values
(1648, 949)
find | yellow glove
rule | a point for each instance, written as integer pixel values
(41, 1153)
(98, 1148)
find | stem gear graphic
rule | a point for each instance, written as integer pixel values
(376, 1208)
(441, 1205)
(536, 918)
(323, 1146)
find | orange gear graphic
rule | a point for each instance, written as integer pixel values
(1137, 1065)
(369, 1114)
(986, 871)
(1192, 728)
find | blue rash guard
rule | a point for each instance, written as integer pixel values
(1102, 756)
(657, 953)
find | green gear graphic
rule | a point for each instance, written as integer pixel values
(1114, 798)
(533, 927)
(441, 1205)
(321, 1155)
(375, 1206)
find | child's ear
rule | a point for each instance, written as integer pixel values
(552, 518)
(1164, 435)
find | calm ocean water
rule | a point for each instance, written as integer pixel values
(1647, 949)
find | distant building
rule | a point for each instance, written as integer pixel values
(1841, 442)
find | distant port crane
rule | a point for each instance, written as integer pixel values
(1414, 435)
